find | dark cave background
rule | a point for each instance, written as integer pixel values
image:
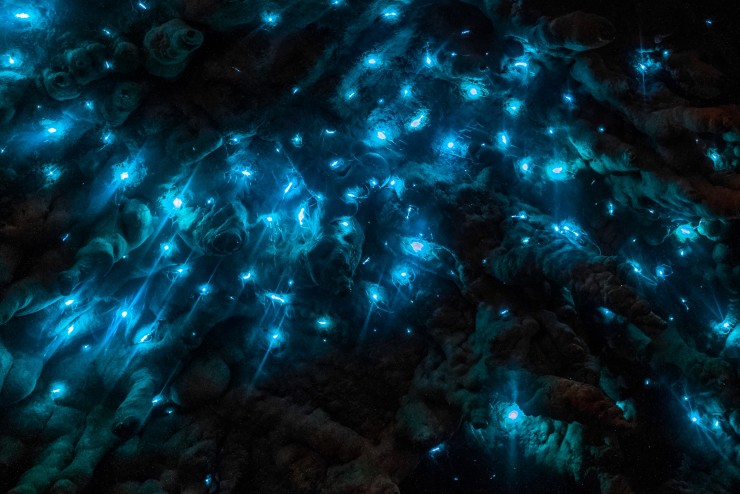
(369, 246)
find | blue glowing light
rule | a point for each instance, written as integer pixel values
(297, 140)
(663, 271)
(70, 329)
(246, 276)
(726, 326)
(717, 162)
(204, 289)
(416, 246)
(58, 390)
(569, 99)
(472, 91)
(513, 106)
(280, 298)
(524, 165)
(270, 18)
(124, 314)
(124, 175)
(324, 323)
(437, 449)
(177, 202)
(685, 232)
(69, 302)
(557, 171)
(375, 294)
(390, 14)
(402, 276)
(502, 139)
(275, 337)
(513, 413)
(418, 121)
(694, 418)
(373, 61)
(610, 208)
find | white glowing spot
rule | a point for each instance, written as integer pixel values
(417, 246)
(246, 173)
(344, 223)
(513, 107)
(503, 139)
(520, 64)
(450, 145)
(381, 135)
(351, 94)
(287, 189)
(277, 298)
(568, 98)
(269, 219)
(557, 170)
(694, 419)
(512, 415)
(601, 129)
(177, 202)
(142, 5)
(297, 140)
(247, 276)
(70, 329)
(301, 216)
(51, 130)
(415, 123)
(124, 175)
(204, 289)
(69, 302)
(372, 61)
(11, 60)
(525, 167)
(335, 164)
(166, 247)
(270, 18)
(124, 313)
(22, 15)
